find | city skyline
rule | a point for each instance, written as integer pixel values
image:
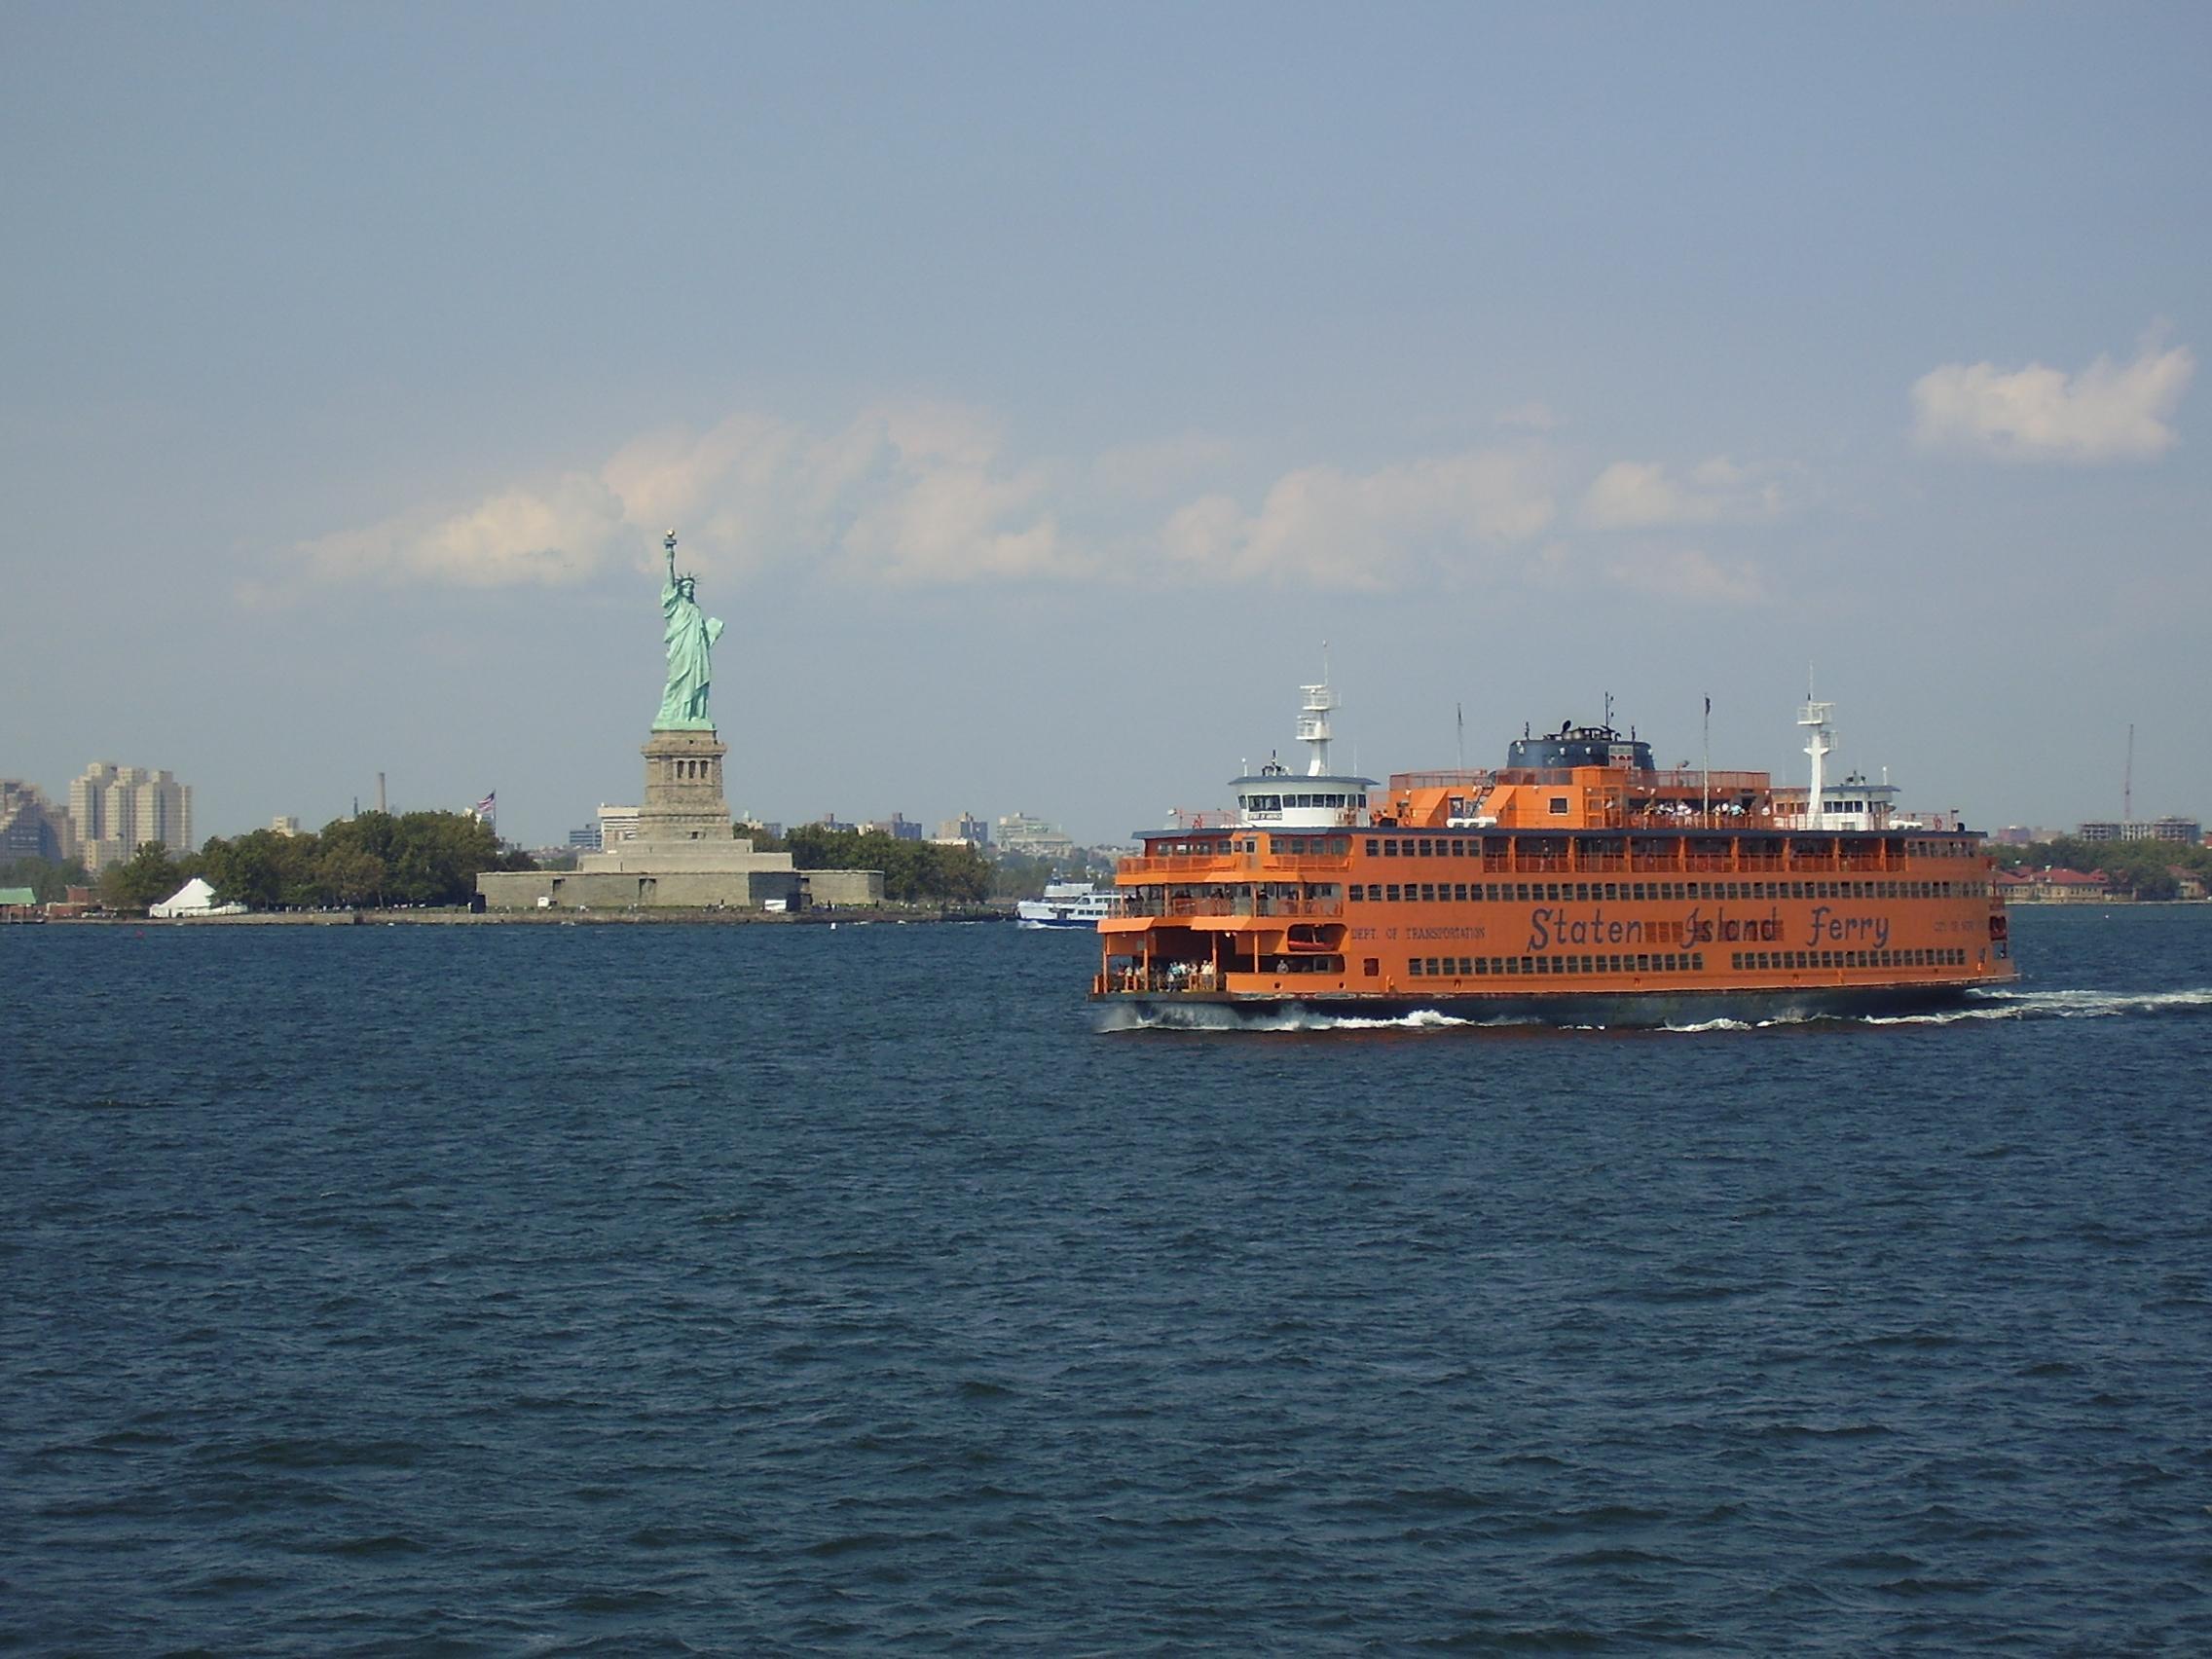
(1036, 393)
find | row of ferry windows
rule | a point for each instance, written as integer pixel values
(1470, 846)
(1507, 967)
(1597, 891)
(1679, 962)
(1276, 803)
(1752, 961)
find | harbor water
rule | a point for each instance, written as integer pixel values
(543, 1289)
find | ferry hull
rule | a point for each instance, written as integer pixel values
(1625, 1009)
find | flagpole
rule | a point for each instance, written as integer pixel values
(1709, 760)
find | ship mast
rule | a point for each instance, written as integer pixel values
(1815, 716)
(1314, 721)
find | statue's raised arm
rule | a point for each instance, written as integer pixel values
(690, 637)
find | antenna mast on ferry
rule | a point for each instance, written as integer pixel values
(1314, 720)
(1815, 716)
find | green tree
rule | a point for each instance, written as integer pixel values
(1016, 876)
(914, 873)
(350, 875)
(49, 878)
(261, 870)
(143, 880)
(2144, 869)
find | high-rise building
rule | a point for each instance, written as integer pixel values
(966, 828)
(2185, 831)
(1032, 837)
(118, 809)
(31, 826)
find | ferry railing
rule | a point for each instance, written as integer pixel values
(1274, 906)
(1199, 976)
(1238, 905)
(1178, 864)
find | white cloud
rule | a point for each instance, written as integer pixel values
(917, 493)
(1639, 495)
(555, 533)
(2107, 412)
(913, 492)
(1327, 527)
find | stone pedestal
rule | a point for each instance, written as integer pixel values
(683, 856)
(684, 789)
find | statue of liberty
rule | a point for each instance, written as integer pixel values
(690, 638)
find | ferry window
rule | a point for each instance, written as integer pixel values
(1369, 966)
(1412, 967)
(1372, 845)
(1427, 849)
(1459, 893)
(1559, 806)
(1391, 893)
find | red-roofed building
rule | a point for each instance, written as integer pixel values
(2049, 886)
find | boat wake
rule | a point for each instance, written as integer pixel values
(2059, 1004)
(1994, 1005)
(1214, 1017)
(1984, 1006)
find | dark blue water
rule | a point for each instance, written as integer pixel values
(537, 1289)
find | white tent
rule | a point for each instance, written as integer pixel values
(194, 899)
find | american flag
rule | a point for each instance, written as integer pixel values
(488, 808)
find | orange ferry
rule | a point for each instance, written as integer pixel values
(1576, 884)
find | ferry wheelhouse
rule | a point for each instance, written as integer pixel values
(1578, 883)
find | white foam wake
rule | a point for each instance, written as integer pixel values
(1985, 1005)
(2058, 1004)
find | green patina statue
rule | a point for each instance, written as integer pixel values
(690, 638)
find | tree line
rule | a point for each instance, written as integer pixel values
(376, 859)
(914, 873)
(2145, 869)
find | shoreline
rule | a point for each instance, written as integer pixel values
(874, 914)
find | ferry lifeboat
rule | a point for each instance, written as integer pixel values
(1576, 884)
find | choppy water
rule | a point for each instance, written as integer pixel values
(752, 1289)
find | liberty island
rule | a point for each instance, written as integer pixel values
(685, 854)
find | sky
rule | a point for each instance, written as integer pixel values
(1043, 393)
